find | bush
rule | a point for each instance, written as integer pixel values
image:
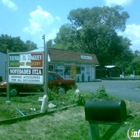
(78, 98)
(101, 93)
(53, 95)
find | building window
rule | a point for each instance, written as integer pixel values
(51, 76)
(51, 67)
(67, 72)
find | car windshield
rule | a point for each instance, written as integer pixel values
(61, 76)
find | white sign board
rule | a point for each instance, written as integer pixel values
(86, 57)
(26, 68)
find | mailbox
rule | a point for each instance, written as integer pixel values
(105, 111)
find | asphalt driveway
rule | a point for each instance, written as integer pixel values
(126, 89)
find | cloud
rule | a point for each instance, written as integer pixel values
(10, 4)
(52, 34)
(58, 18)
(40, 21)
(133, 33)
(117, 2)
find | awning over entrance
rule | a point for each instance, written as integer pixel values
(110, 66)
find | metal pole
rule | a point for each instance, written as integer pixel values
(94, 131)
(45, 103)
(46, 67)
(7, 79)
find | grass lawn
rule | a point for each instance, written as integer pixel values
(69, 124)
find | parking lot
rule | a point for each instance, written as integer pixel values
(126, 89)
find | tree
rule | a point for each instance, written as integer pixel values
(95, 31)
(49, 43)
(135, 64)
(67, 37)
(15, 44)
(30, 45)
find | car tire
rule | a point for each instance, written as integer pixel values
(14, 91)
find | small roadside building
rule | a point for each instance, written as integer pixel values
(70, 64)
(3, 60)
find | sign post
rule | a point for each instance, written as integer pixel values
(45, 97)
(7, 78)
(45, 67)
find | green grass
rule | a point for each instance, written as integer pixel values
(68, 124)
(64, 125)
(24, 104)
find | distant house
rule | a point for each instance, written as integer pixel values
(81, 66)
(3, 59)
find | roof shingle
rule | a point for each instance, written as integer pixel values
(58, 55)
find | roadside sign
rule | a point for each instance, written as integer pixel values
(26, 68)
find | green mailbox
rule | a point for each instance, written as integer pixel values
(113, 113)
(107, 111)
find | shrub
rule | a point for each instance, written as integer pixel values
(53, 95)
(101, 93)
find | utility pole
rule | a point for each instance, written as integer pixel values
(7, 79)
(45, 97)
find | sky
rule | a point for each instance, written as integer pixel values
(31, 19)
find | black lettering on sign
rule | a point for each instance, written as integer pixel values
(37, 72)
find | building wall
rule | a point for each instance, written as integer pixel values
(79, 72)
(87, 73)
(3, 59)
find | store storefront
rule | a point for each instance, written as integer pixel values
(70, 64)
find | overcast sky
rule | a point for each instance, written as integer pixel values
(30, 19)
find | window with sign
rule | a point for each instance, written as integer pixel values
(51, 76)
(51, 67)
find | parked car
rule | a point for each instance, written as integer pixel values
(55, 81)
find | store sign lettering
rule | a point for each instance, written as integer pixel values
(26, 68)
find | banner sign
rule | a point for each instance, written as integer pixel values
(26, 60)
(26, 68)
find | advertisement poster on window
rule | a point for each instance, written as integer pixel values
(73, 71)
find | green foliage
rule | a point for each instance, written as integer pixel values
(101, 92)
(53, 94)
(15, 44)
(94, 30)
(71, 97)
(69, 124)
(78, 98)
(49, 43)
(30, 45)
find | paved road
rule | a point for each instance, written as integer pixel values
(126, 89)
